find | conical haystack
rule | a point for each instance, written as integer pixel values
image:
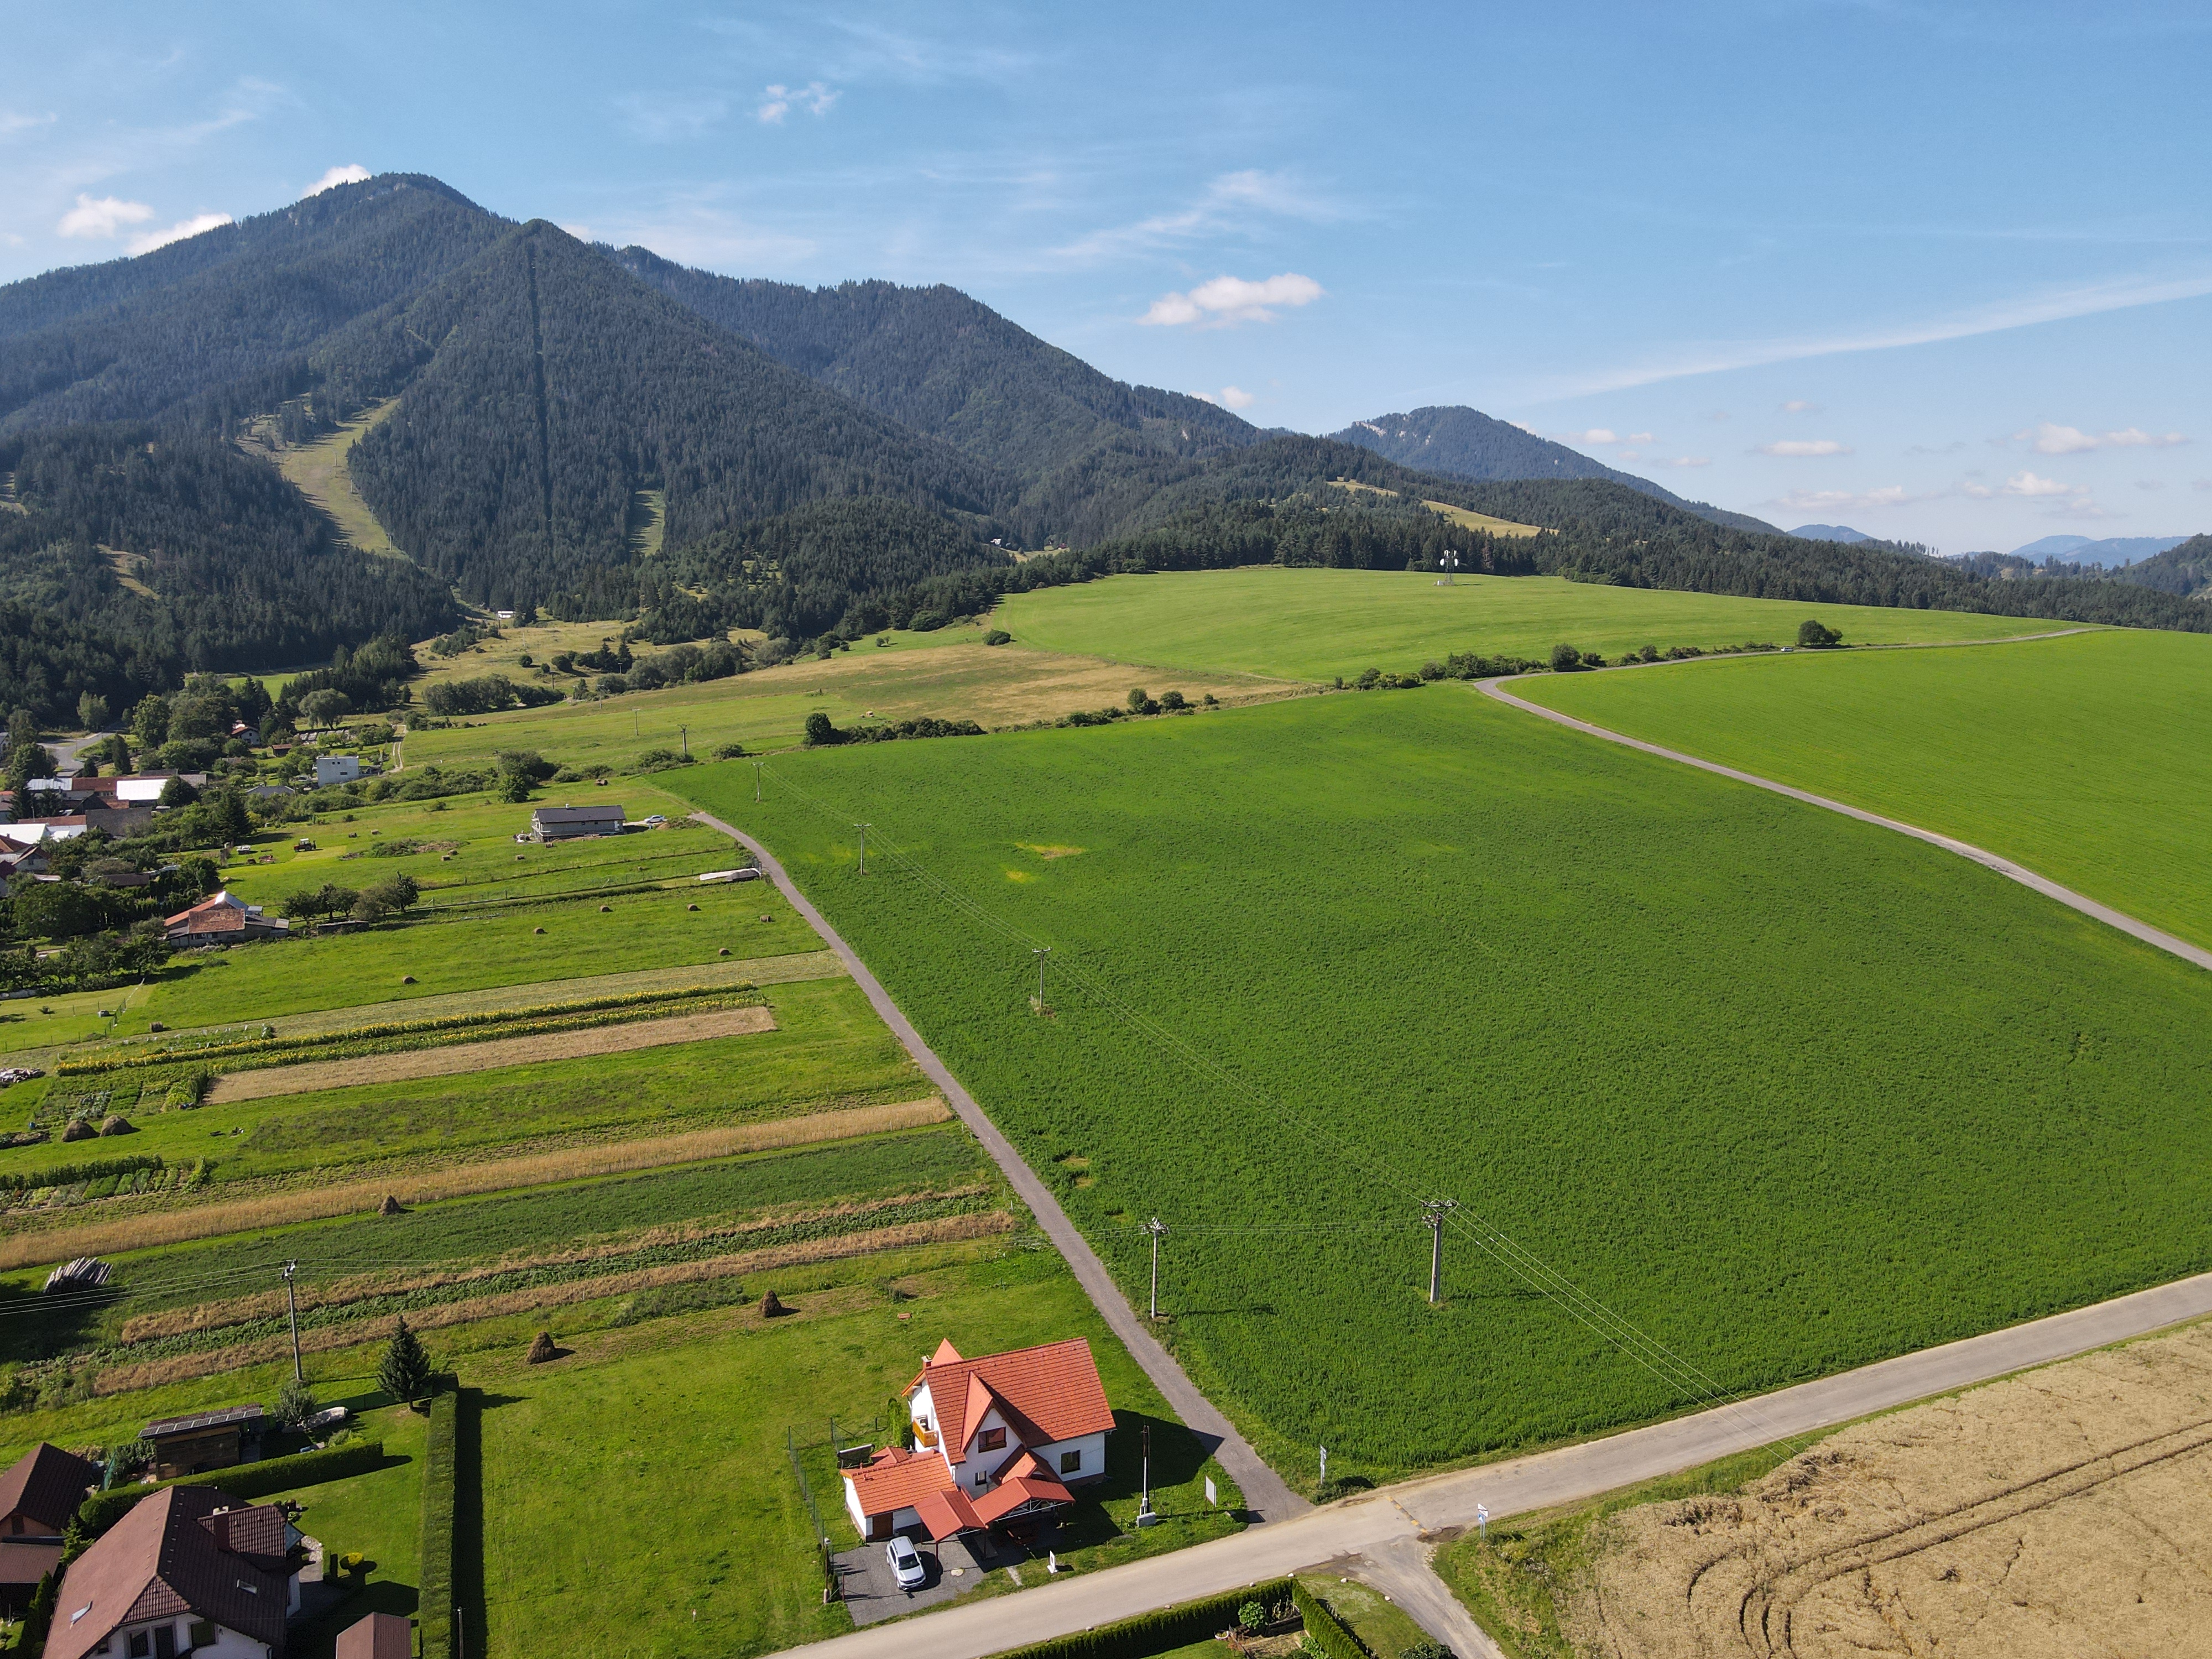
(542, 1349)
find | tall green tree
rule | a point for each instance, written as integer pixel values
(404, 1371)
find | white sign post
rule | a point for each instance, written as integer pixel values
(1211, 1496)
(1482, 1520)
(1324, 1466)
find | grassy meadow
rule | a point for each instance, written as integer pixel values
(1316, 624)
(1777, 1085)
(2086, 758)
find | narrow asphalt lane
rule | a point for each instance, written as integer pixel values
(2005, 867)
(1265, 1496)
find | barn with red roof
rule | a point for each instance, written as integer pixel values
(997, 1439)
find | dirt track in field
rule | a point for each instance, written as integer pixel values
(2058, 1514)
(457, 1058)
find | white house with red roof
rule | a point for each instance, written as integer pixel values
(222, 920)
(996, 1439)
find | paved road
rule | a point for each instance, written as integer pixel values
(2003, 866)
(1265, 1494)
(1385, 1527)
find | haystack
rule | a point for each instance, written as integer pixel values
(542, 1349)
(771, 1308)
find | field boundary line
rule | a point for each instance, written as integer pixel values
(2197, 956)
(1265, 1493)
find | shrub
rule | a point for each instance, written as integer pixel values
(1817, 635)
(820, 730)
(1155, 1633)
(998, 636)
(103, 1510)
(440, 1483)
(404, 1371)
(1252, 1616)
(1323, 1631)
(731, 752)
(294, 1405)
(660, 760)
(1565, 658)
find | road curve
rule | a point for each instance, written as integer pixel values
(1265, 1496)
(2127, 924)
(1380, 1525)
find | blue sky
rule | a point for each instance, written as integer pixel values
(1943, 272)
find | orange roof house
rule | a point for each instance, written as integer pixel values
(222, 920)
(996, 1439)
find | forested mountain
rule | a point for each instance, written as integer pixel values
(2185, 570)
(47, 664)
(541, 387)
(1468, 444)
(225, 319)
(170, 538)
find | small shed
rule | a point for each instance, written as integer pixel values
(204, 1440)
(567, 823)
(380, 1636)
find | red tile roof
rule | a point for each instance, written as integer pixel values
(159, 1560)
(896, 1480)
(1027, 1482)
(1048, 1392)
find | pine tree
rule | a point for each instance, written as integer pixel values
(404, 1371)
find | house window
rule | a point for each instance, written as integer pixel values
(1070, 1461)
(203, 1635)
(991, 1440)
(142, 1644)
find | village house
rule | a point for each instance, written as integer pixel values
(997, 1439)
(567, 823)
(187, 1569)
(38, 1498)
(337, 769)
(220, 918)
(144, 789)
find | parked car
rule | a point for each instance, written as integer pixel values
(906, 1562)
(655, 821)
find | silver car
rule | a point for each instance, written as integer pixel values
(906, 1562)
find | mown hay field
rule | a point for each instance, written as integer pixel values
(2086, 758)
(1316, 624)
(1789, 1091)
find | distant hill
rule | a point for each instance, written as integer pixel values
(1829, 532)
(2112, 551)
(1466, 443)
(2185, 569)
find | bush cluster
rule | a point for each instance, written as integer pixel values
(1149, 1633)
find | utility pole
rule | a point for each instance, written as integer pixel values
(1433, 1212)
(686, 730)
(292, 1308)
(756, 778)
(863, 828)
(1159, 1229)
(1040, 952)
(1145, 1515)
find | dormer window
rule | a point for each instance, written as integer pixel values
(991, 1440)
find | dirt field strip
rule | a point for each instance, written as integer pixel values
(2059, 1512)
(453, 1058)
(267, 1305)
(143, 1231)
(121, 1379)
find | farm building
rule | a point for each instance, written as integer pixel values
(222, 920)
(38, 1498)
(567, 823)
(188, 1568)
(380, 1636)
(337, 769)
(996, 1439)
(144, 789)
(204, 1440)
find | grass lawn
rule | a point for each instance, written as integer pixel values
(1316, 624)
(1778, 1086)
(2088, 759)
(1380, 1625)
(319, 470)
(663, 1451)
(949, 674)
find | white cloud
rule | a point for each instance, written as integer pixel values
(1229, 202)
(1829, 500)
(1237, 397)
(1230, 300)
(1800, 448)
(352, 173)
(814, 98)
(1642, 437)
(1980, 492)
(2025, 482)
(1683, 460)
(2133, 438)
(1596, 435)
(197, 224)
(12, 123)
(1631, 455)
(2050, 439)
(104, 216)
(1799, 406)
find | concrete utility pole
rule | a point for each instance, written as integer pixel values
(1433, 1212)
(1159, 1229)
(863, 828)
(686, 730)
(1040, 952)
(292, 1308)
(756, 778)
(1145, 1515)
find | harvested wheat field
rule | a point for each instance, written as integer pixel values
(2058, 1514)
(486, 1056)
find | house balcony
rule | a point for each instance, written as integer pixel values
(924, 1438)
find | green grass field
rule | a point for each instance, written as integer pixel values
(1777, 1086)
(1316, 624)
(2088, 758)
(320, 470)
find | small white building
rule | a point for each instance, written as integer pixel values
(996, 1439)
(337, 769)
(144, 789)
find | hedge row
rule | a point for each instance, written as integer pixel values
(1154, 1633)
(397, 1028)
(68, 1175)
(440, 1491)
(104, 1509)
(1324, 1630)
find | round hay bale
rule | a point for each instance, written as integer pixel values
(690, 907)
(407, 979)
(115, 1124)
(606, 910)
(724, 951)
(156, 1025)
(537, 930)
(541, 1349)
(772, 1307)
(390, 1207)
